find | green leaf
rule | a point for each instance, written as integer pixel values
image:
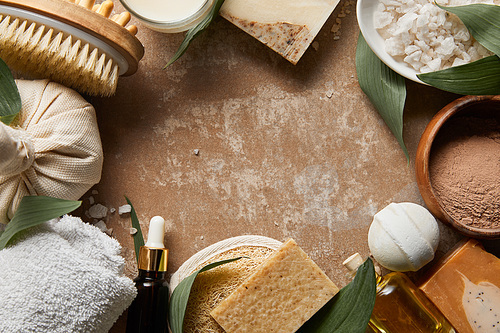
(483, 22)
(481, 77)
(10, 100)
(138, 237)
(180, 296)
(35, 210)
(385, 88)
(8, 119)
(350, 310)
(195, 31)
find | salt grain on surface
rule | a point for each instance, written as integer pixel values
(124, 209)
(102, 226)
(426, 37)
(98, 211)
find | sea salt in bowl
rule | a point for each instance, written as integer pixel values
(416, 36)
(458, 166)
(365, 10)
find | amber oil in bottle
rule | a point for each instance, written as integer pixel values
(400, 306)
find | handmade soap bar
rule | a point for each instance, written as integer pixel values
(286, 26)
(465, 286)
(283, 293)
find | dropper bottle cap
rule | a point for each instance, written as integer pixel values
(153, 255)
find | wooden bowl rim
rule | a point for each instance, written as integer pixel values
(422, 164)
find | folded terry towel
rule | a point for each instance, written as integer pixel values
(63, 276)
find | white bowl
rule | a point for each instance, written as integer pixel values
(365, 10)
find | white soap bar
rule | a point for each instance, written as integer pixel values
(403, 237)
(286, 26)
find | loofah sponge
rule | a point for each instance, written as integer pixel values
(211, 287)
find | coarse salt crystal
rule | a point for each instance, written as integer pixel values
(411, 48)
(98, 211)
(434, 64)
(382, 19)
(102, 226)
(447, 48)
(458, 62)
(414, 59)
(394, 47)
(405, 22)
(124, 209)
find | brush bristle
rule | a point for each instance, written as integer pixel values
(45, 53)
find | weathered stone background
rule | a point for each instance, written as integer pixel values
(284, 150)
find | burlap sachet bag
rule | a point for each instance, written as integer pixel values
(52, 148)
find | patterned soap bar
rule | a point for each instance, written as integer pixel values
(465, 286)
(286, 26)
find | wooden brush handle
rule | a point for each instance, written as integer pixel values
(90, 22)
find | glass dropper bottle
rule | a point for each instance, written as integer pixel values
(400, 306)
(148, 313)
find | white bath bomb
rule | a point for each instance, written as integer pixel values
(403, 237)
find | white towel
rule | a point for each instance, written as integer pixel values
(63, 276)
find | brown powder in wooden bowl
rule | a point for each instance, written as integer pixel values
(465, 169)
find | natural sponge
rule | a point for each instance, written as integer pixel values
(281, 295)
(403, 237)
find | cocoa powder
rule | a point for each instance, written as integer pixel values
(465, 170)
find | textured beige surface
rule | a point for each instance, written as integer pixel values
(280, 296)
(284, 151)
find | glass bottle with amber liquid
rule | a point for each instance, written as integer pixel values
(400, 307)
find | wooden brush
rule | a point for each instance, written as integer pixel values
(75, 43)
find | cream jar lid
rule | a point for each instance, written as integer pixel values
(169, 16)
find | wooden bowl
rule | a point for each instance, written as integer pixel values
(422, 162)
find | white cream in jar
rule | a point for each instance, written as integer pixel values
(168, 15)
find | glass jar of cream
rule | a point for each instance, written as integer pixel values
(169, 16)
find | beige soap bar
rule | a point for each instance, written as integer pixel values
(284, 292)
(286, 26)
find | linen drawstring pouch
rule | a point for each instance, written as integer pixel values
(52, 148)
